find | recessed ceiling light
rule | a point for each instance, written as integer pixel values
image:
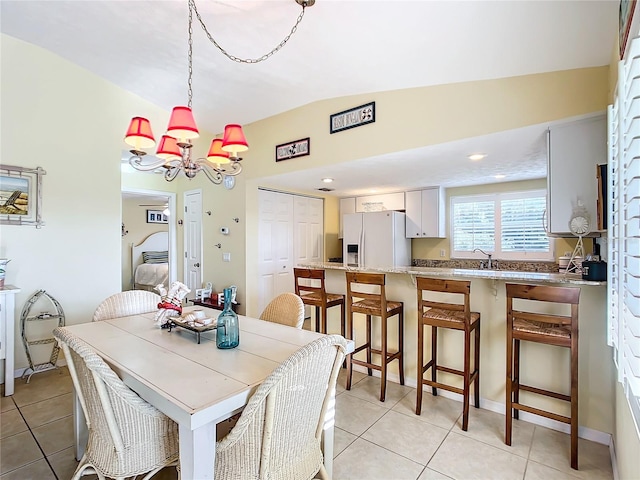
(477, 156)
(500, 175)
(327, 180)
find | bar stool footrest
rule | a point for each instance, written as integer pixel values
(443, 386)
(540, 391)
(543, 413)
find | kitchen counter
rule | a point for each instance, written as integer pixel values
(543, 366)
(462, 273)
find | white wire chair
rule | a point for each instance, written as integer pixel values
(127, 436)
(127, 303)
(286, 308)
(278, 434)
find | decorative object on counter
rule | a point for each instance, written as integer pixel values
(579, 225)
(202, 293)
(28, 318)
(228, 332)
(297, 148)
(21, 195)
(354, 117)
(174, 150)
(171, 301)
(3, 264)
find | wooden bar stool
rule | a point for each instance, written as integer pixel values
(310, 288)
(559, 330)
(456, 316)
(359, 286)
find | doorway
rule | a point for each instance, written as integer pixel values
(143, 213)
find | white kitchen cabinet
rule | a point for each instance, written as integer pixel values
(574, 150)
(347, 205)
(425, 217)
(378, 203)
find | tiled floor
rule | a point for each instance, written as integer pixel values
(373, 440)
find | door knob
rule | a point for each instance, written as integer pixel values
(197, 265)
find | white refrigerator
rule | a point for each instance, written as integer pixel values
(375, 239)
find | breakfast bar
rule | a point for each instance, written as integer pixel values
(546, 366)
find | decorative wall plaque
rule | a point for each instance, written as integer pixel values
(354, 117)
(299, 148)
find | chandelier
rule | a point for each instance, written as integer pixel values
(174, 149)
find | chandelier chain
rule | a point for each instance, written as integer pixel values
(190, 81)
(192, 6)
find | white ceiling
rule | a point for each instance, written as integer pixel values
(342, 47)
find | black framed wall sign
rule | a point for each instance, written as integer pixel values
(298, 148)
(354, 117)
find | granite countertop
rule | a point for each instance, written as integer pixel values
(507, 275)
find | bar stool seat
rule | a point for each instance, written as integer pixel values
(361, 299)
(454, 316)
(527, 323)
(314, 294)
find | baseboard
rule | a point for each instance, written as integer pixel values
(583, 432)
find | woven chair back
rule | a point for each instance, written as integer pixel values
(286, 308)
(127, 303)
(278, 434)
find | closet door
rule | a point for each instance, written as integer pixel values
(276, 245)
(308, 234)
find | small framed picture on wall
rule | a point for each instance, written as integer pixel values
(156, 216)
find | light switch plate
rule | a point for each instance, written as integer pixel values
(226, 257)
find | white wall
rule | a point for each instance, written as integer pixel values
(58, 116)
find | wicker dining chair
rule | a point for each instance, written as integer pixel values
(127, 436)
(127, 303)
(278, 434)
(286, 308)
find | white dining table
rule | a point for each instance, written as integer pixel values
(196, 385)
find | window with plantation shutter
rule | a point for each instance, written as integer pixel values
(507, 225)
(623, 286)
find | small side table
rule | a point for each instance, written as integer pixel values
(7, 325)
(209, 304)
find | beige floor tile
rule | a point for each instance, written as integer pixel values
(406, 436)
(488, 427)
(369, 389)
(356, 377)
(356, 415)
(364, 460)
(38, 470)
(17, 451)
(552, 448)
(46, 411)
(341, 440)
(537, 471)
(11, 422)
(429, 474)
(63, 463)
(465, 458)
(43, 386)
(55, 436)
(440, 411)
(6, 404)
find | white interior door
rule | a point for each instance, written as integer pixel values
(193, 239)
(308, 214)
(275, 231)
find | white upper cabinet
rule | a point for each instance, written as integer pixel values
(347, 205)
(574, 151)
(378, 203)
(425, 213)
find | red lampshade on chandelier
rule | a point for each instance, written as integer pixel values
(174, 149)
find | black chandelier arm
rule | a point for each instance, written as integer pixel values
(303, 4)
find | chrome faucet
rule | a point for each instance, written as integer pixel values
(489, 263)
